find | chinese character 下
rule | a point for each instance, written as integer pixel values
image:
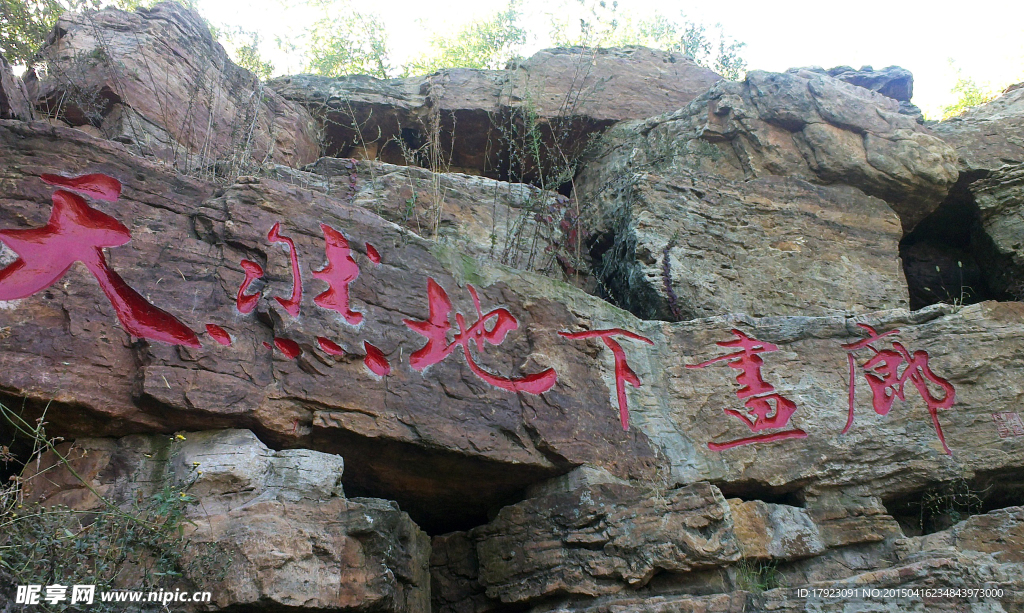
(623, 373)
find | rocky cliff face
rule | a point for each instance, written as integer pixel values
(685, 376)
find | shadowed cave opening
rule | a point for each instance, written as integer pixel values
(942, 505)
(442, 491)
(948, 258)
(751, 490)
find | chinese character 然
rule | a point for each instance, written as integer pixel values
(76, 232)
(887, 383)
(436, 327)
(28, 594)
(623, 373)
(83, 594)
(760, 413)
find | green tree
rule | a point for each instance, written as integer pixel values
(485, 43)
(345, 41)
(603, 25)
(245, 44)
(25, 24)
(969, 94)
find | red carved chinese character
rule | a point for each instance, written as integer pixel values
(329, 346)
(218, 334)
(1008, 424)
(372, 254)
(436, 328)
(77, 232)
(292, 303)
(244, 302)
(287, 346)
(376, 361)
(623, 373)
(340, 272)
(887, 383)
(760, 414)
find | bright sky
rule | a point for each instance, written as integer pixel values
(985, 37)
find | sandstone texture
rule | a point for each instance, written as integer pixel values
(987, 136)
(14, 101)
(805, 126)
(1000, 205)
(687, 356)
(483, 121)
(156, 80)
(281, 518)
(187, 245)
(521, 226)
(688, 244)
(893, 82)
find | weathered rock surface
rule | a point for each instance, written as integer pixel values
(893, 81)
(442, 441)
(608, 84)
(798, 430)
(774, 531)
(14, 102)
(806, 126)
(989, 135)
(601, 539)
(1000, 205)
(158, 81)
(482, 121)
(687, 244)
(512, 224)
(397, 434)
(280, 517)
(557, 552)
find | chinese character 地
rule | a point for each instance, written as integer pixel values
(437, 325)
(760, 414)
(887, 383)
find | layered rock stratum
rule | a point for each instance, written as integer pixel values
(725, 346)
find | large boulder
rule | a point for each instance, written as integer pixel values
(806, 126)
(442, 441)
(158, 81)
(893, 81)
(599, 546)
(687, 244)
(601, 539)
(512, 224)
(491, 122)
(278, 519)
(352, 371)
(14, 102)
(987, 136)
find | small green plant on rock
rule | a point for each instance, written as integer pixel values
(141, 544)
(758, 575)
(948, 504)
